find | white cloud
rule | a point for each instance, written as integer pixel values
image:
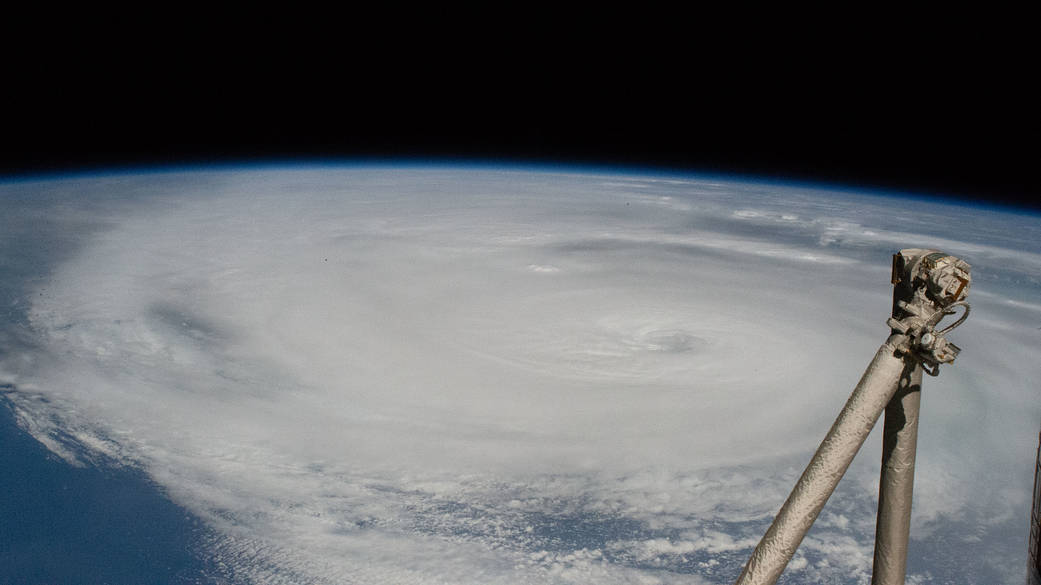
(354, 380)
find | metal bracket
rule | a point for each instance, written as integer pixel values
(930, 285)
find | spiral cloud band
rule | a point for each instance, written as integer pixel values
(468, 375)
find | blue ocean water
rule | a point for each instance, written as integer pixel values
(89, 525)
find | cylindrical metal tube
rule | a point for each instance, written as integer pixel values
(1034, 551)
(896, 483)
(870, 397)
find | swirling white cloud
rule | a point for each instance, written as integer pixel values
(380, 375)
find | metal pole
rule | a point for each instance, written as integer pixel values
(896, 483)
(899, 444)
(930, 285)
(1034, 554)
(870, 397)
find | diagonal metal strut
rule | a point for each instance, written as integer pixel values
(929, 285)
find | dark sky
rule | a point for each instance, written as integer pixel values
(951, 114)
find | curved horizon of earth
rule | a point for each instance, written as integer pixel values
(467, 374)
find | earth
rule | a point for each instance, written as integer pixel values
(377, 374)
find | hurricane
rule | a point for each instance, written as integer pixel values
(384, 374)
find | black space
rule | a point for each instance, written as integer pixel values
(951, 113)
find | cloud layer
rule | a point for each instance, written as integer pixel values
(378, 375)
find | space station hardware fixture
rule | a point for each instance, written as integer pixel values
(928, 286)
(1034, 550)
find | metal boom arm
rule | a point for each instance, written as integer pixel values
(929, 286)
(827, 467)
